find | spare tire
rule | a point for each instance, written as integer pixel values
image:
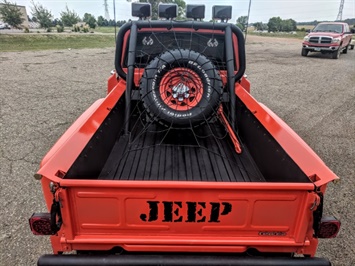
(181, 88)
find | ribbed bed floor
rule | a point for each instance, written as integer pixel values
(203, 154)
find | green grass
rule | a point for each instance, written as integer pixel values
(307, 27)
(105, 29)
(25, 42)
(35, 41)
(298, 35)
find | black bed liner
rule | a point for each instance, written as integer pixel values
(202, 154)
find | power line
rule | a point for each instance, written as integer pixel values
(107, 15)
(340, 14)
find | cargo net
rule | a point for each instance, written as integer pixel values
(178, 129)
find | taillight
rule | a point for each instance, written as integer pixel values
(328, 227)
(40, 224)
(47, 223)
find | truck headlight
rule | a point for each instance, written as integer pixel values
(306, 39)
(336, 40)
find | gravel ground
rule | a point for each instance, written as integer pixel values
(42, 93)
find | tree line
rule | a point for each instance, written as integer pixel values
(11, 15)
(275, 24)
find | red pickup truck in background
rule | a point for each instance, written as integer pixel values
(179, 164)
(328, 37)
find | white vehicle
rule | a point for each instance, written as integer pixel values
(4, 26)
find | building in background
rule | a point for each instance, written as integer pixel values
(24, 15)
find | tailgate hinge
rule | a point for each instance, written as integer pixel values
(56, 215)
(318, 213)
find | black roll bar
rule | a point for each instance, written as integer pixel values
(134, 26)
(130, 74)
(230, 74)
(196, 25)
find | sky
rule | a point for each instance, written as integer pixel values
(261, 10)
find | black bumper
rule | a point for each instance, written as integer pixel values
(185, 260)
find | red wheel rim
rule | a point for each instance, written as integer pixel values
(181, 89)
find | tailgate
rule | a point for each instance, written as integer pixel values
(186, 216)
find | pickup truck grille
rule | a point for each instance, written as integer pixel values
(320, 40)
(314, 39)
(326, 40)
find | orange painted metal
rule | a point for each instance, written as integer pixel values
(176, 79)
(112, 82)
(73, 141)
(245, 83)
(296, 148)
(190, 216)
(231, 133)
(102, 217)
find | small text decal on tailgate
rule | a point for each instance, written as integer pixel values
(190, 212)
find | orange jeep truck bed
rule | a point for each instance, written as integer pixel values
(239, 183)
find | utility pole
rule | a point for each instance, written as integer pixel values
(340, 14)
(246, 28)
(114, 16)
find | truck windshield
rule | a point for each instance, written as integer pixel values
(328, 28)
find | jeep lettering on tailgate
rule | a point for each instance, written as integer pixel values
(189, 212)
